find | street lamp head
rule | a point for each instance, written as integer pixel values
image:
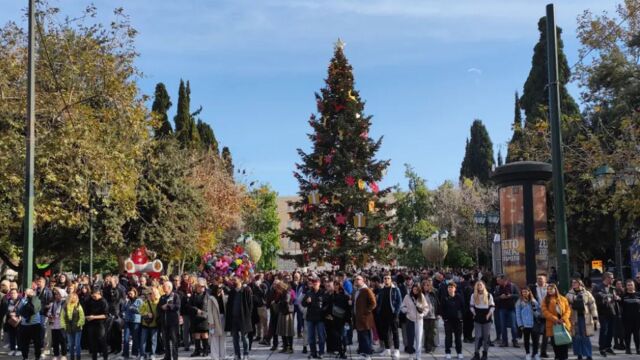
(603, 177)
(479, 218)
(493, 217)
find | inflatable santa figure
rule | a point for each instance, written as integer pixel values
(139, 263)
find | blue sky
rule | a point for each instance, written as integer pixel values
(426, 69)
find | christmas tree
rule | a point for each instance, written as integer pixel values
(342, 213)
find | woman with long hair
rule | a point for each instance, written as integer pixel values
(527, 317)
(584, 314)
(72, 321)
(341, 314)
(415, 306)
(285, 327)
(482, 307)
(556, 311)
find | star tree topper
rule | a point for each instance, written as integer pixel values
(340, 44)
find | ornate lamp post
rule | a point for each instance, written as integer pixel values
(101, 192)
(606, 179)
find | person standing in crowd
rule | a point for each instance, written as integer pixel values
(364, 303)
(238, 317)
(286, 315)
(505, 297)
(72, 321)
(340, 313)
(528, 313)
(481, 305)
(185, 291)
(431, 317)
(12, 320)
(618, 331)
(415, 306)
(630, 305)
(316, 303)
(272, 304)
(45, 295)
(114, 295)
(149, 323)
(388, 302)
(96, 313)
(30, 329)
(131, 316)
(217, 338)
(298, 288)
(556, 311)
(197, 311)
(260, 289)
(584, 315)
(58, 337)
(467, 286)
(606, 300)
(452, 309)
(539, 292)
(169, 315)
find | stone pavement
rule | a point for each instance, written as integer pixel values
(260, 352)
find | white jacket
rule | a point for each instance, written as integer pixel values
(410, 307)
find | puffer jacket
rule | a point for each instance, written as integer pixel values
(590, 311)
(415, 310)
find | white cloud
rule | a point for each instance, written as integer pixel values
(474, 71)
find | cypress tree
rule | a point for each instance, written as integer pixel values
(500, 160)
(514, 151)
(478, 158)
(186, 131)
(161, 104)
(535, 95)
(342, 212)
(228, 161)
(207, 138)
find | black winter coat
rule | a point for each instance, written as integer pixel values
(246, 307)
(171, 316)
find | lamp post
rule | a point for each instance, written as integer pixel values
(605, 178)
(490, 218)
(95, 191)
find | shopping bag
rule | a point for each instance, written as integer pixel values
(561, 335)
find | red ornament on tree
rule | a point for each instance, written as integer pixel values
(338, 241)
(350, 180)
(323, 230)
(341, 219)
(364, 135)
(390, 238)
(374, 187)
(339, 107)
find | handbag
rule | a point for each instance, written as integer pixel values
(14, 320)
(561, 335)
(338, 312)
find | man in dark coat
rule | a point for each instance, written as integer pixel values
(238, 316)
(169, 317)
(316, 301)
(364, 303)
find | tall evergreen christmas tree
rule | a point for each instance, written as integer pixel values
(160, 106)
(536, 95)
(478, 157)
(186, 130)
(342, 213)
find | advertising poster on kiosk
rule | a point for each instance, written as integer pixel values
(512, 233)
(540, 228)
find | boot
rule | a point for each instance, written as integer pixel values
(484, 355)
(476, 356)
(206, 347)
(197, 352)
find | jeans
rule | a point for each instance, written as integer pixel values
(237, 335)
(483, 334)
(13, 338)
(146, 333)
(387, 325)
(300, 323)
(131, 329)
(497, 321)
(417, 342)
(508, 318)
(527, 334)
(581, 342)
(73, 343)
(607, 324)
(364, 342)
(452, 328)
(316, 328)
(410, 336)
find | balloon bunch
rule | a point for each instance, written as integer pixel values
(236, 262)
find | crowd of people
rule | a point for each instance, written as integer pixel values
(334, 313)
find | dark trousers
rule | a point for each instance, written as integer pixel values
(364, 342)
(528, 334)
(631, 330)
(273, 325)
(389, 325)
(97, 339)
(170, 337)
(467, 326)
(28, 334)
(114, 334)
(607, 325)
(59, 342)
(429, 326)
(452, 329)
(237, 336)
(543, 344)
(561, 351)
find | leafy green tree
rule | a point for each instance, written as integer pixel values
(478, 158)
(536, 95)
(186, 129)
(338, 180)
(91, 124)
(227, 160)
(161, 104)
(262, 222)
(207, 138)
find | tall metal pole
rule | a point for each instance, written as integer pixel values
(618, 247)
(562, 246)
(91, 246)
(27, 248)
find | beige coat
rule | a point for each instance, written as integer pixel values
(590, 312)
(213, 317)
